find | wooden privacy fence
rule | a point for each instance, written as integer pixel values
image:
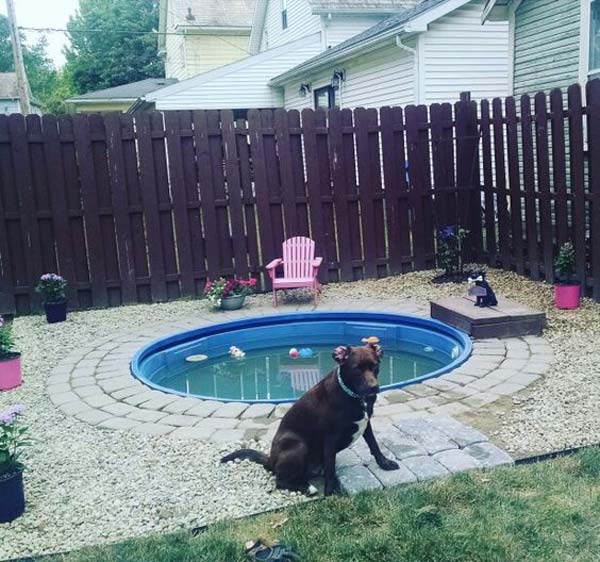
(148, 207)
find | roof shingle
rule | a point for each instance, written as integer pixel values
(132, 90)
(213, 13)
(384, 6)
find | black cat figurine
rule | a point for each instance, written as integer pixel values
(482, 290)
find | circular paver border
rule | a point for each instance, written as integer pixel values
(95, 385)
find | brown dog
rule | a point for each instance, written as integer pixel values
(327, 419)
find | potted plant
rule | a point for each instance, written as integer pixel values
(10, 360)
(567, 292)
(12, 443)
(450, 248)
(52, 288)
(229, 294)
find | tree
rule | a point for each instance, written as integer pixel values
(46, 82)
(103, 60)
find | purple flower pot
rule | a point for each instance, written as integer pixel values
(56, 311)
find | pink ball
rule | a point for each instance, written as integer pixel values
(294, 353)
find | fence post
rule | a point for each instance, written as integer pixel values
(467, 172)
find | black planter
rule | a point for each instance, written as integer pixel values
(12, 497)
(56, 311)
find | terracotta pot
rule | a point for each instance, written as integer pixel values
(567, 297)
(56, 311)
(10, 372)
(233, 303)
(12, 497)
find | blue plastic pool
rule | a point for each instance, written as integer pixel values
(415, 349)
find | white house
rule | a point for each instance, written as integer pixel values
(350, 53)
(10, 101)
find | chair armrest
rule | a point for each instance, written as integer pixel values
(317, 262)
(274, 263)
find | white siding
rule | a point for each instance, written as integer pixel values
(175, 51)
(240, 85)
(340, 28)
(10, 106)
(381, 77)
(458, 54)
(301, 22)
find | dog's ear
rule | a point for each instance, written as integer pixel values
(378, 349)
(341, 353)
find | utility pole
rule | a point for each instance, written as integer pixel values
(22, 84)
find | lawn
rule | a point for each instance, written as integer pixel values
(547, 512)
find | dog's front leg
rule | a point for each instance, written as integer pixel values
(382, 462)
(329, 453)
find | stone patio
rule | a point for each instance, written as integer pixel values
(424, 447)
(94, 384)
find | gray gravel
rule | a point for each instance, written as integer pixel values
(87, 486)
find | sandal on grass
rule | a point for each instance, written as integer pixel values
(261, 552)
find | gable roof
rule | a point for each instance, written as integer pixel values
(131, 91)
(409, 20)
(362, 6)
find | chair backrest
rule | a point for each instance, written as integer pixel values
(298, 256)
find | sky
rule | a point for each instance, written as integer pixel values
(45, 13)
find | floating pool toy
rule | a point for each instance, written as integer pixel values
(306, 353)
(236, 352)
(294, 353)
(196, 358)
(371, 340)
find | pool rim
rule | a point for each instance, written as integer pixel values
(178, 338)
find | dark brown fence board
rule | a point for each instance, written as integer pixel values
(420, 183)
(288, 194)
(488, 183)
(180, 208)
(27, 205)
(543, 182)
(298, 176)
(234, 194)
(246, 179)
(396, 189)
(120, 205)
(502, 194)
(58, 201)
(559, 168)
(269, 251)
(529, 184)
(593, 127)
(576, 155)
(149, 202)
(366, 189)
(442, 152)
(339, 171)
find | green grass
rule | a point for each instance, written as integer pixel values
(548, 512)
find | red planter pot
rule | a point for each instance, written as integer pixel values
(10, 372)
(566, 297)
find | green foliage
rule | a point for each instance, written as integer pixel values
(547, 512)
(103, 60)
(49, 86)
(450, 249)
(13, 440)
(565, 262)
(6, 339)
(52, 287)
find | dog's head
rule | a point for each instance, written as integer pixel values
(359, 367)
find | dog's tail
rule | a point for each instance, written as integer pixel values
(248, 454)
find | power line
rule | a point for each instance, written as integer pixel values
(126, 32)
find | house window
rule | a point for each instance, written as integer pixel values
(324, 98)
(284, 18)
(595, 36)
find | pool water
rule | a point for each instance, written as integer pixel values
(271, 374)
(415, 349)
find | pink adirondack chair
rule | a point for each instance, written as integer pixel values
(300, 267)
